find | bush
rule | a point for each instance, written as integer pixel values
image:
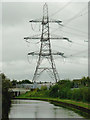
(54, 91)
(43, 88)
(86, 95)
(79, 94)
(63, 90)
(63, 93)
(69, 94)
(6, 96)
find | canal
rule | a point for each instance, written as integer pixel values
(39, 109)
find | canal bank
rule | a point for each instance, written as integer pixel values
(79, 107)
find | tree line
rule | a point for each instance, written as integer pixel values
(26, 81)
(77, 90)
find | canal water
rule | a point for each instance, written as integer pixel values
(39, 109)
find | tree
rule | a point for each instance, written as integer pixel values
(6, 96)
(14, 82)
(24, 82)
(54, 91)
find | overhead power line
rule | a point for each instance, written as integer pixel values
(70, 27)
(79, 14)
(77, 53)
(60, 9)
(81, 35)
(75, 29)
(70, 33)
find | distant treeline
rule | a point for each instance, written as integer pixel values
(75, 83)
(77, 90)
(14, 82)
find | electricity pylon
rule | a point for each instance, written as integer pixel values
(45, 49)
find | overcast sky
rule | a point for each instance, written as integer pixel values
(15, 21)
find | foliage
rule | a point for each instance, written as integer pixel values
(80, 94)
(60, 89)
(6, 96)
(37, 93)
(43, 88)
(54, 91)
(83, 82)
(24, 82)
(65, 89)
(14, 82)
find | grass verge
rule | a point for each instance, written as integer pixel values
(78, 107)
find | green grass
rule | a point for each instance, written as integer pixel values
(54, 101)
(82, 104)
(40, 96)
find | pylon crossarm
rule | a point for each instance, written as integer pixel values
(63, 38)
(46, 54)
(53, 38)
(51, 21)
(31, 38)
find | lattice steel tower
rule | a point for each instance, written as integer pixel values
(45, 49)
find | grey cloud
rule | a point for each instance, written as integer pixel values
(14, 13)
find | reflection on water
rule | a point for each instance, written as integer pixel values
(39, 109)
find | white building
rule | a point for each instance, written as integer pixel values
(35, 85)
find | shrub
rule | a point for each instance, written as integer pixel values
(79, 94)
(54, 91)
(69, 94)
(43, 88)
(6, 96)
(86, 94)
(63, 93)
